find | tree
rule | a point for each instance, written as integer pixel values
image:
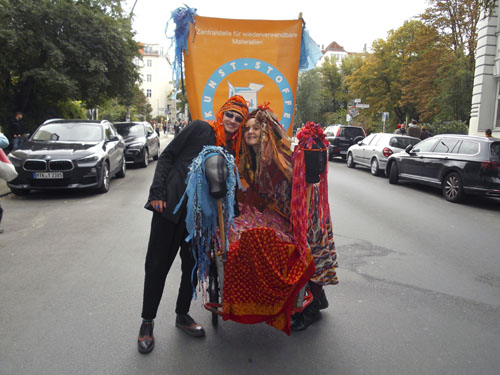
(57, 51)
(308, 98)
(331, 87)
(456, 21)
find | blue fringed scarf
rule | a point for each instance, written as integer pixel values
(201, 217)
(182, 17)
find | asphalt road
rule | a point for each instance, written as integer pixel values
(419, 288)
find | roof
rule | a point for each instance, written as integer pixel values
(334, 46)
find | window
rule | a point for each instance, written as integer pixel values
(148, 78)
(497, 105)
(368, 139)
(469, 148)
(148, 93)
(149, 63)
(446, 145)
(425, 146)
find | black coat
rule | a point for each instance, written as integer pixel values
(16, 127)
(169, 182)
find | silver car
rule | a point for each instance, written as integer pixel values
(373, 151)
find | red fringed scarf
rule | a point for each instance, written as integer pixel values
(299, 218)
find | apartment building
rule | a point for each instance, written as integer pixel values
(156, 82)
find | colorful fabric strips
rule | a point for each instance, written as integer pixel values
(262, 279)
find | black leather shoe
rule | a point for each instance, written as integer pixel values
(310, 315)
(146, 340)
(323, 302)
(188, 325)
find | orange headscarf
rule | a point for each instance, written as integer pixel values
(237, 104)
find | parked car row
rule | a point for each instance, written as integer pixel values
(459, 165)
(77, 154)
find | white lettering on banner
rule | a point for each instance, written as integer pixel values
(208, 114)
(279, 79)
(213, 84)
(286, 90)
(286, 115)
(233, 64)
(221, 72)
(207, 99)
(269, 69)
(257, 65)
(288, 102)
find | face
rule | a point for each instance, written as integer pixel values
(231, 121)
(252, 133)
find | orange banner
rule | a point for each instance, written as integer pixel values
(256, 59)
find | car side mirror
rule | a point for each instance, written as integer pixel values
(408, 149)
(114, 138)
(360, 143)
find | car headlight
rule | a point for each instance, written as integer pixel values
(88, 161)
(135, 146)
(16, 161)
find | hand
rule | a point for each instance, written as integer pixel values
(159, 205)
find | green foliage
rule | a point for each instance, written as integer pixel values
(308, 98)
(448, 127)
(55, 51)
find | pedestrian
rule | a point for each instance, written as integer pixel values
(157, 128)
(413, 129)
(401, 129)
(168, 229)
(4, 142)
(16, 130)
(424, 133)
(487, 133)
(165, 128)
(177, 129)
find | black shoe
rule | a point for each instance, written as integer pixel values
(188, 325)
(1, 230)
(323, 302)
(146, 340)
(310, 315)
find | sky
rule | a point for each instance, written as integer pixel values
(352, 24)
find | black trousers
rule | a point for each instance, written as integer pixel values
(164, 242)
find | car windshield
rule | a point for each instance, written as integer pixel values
(352, 132)
(403, 142)
(495, 151)
(69, 132)
(130, 130)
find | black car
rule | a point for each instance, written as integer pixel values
(69, 154)
(341, 137)
(457, 164)
(141, 142)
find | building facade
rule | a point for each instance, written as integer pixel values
(156, 84)
(485, 108)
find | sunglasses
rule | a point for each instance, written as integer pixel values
(231, 115)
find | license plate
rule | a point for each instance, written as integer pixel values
(343, 152)
(47, 175)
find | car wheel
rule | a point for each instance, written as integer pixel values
(157, 156)
(350, 161)
(374, 167)
(123, 169)
(20, 192)
(105, 179)
(393, 174)
(145, 162)
(453, 189)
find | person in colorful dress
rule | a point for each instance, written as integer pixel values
(266, 167)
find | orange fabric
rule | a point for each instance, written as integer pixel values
(263, 276)
(237, 104)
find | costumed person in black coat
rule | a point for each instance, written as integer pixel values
(16, 130)
(168, 229)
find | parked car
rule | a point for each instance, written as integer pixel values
(457, 164)
(341, 137)
(141, 142)
(373, 151)
(69, 154)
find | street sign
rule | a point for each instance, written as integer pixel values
(362, 106)
(385, 116)
(357, 100)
